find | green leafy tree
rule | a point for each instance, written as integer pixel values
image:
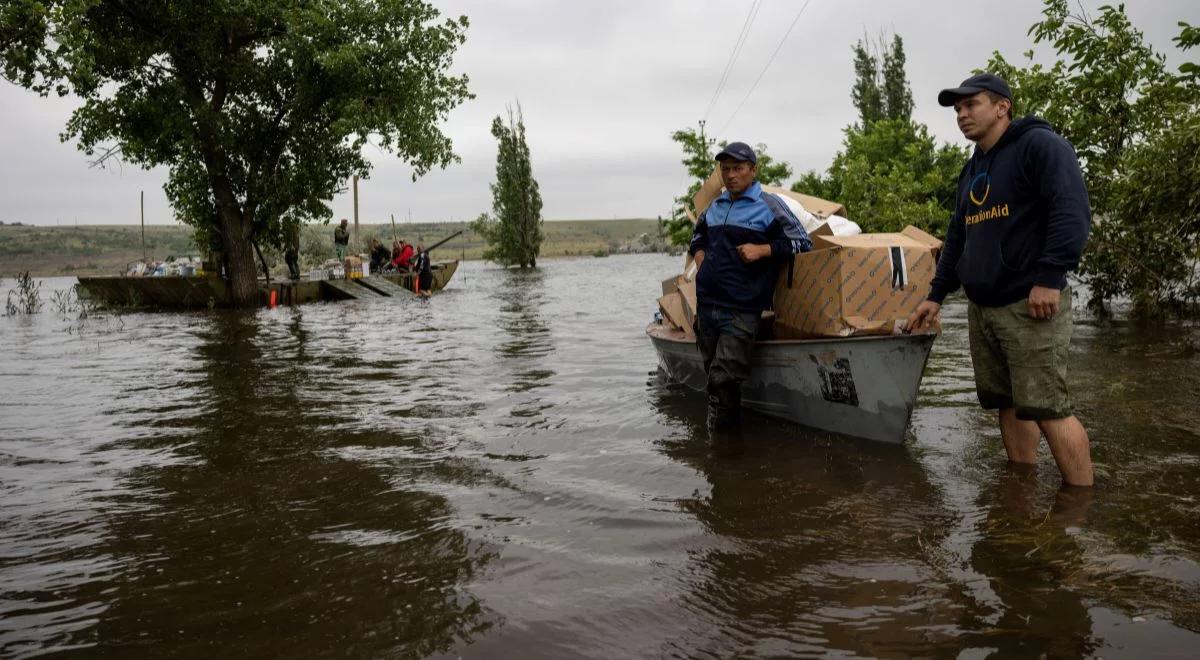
(698, 159)
(259, 110)
(881, 89)
(514, 235)
(1133, 123)
(890, 171)
(866, 93)
(896, 92)
(771, 172)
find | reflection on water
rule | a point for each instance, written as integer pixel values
(496, 472)
(1034, 566)
(823, 545)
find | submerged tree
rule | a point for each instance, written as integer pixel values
(260, 110)
(514, 232)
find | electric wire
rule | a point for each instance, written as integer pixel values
(767, 66)
(734, 54)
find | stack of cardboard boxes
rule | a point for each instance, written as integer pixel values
(678, 303)
(848, 286)
(356, 267)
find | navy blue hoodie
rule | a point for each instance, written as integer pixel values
(1022, 218)
(754, 217)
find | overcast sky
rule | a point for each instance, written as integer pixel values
(603, 83)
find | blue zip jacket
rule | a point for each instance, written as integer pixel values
(1021, 220)
(754, 217)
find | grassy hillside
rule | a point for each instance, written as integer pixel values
(107, 249)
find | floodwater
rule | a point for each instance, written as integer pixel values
(498, 473)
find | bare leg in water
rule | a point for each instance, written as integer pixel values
(1067, 438)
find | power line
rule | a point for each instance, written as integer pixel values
(733, 55)
(767, 66)
(738, 45)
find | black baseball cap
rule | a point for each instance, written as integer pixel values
(738, 151)
(984, 82)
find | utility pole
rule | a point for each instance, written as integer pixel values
(144, 259)
(356, 209)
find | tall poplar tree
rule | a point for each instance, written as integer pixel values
(514, 231)
(891, 172)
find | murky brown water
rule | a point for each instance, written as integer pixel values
(497, 473)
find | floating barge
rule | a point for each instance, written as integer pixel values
(211, 291)
(864, 387)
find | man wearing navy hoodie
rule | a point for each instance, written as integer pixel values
(1020, 224)
(738, 243)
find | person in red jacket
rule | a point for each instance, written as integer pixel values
(402, 254)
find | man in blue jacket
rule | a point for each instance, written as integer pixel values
(1020, 224)
(738, 243)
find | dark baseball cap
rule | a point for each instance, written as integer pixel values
(738, 151)
(984, 82)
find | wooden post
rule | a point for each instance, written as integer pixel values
(395, 237)
(356, 208)
(144, 258)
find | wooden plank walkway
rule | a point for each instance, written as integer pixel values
(383, 286)
(351, 290)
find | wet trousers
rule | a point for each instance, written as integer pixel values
(726, 341)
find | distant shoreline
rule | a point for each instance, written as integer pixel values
(89, 250)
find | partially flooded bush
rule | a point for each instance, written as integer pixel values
(26, 298)
(68, 302)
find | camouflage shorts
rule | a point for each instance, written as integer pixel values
(1021, 362)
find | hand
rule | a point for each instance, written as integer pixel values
(751, 252)
(924, 316)
(1043, 302)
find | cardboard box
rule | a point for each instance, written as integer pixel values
(671, 284)
(353, 266)
(673, 308)
(686, 288)
(866, 284)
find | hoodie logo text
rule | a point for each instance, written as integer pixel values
(994, 212)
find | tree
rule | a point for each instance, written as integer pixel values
(1132, 122)
(259, 110)
(897, 95)
(881, 89)
(698, 162)
(698, 159)
(890, 172)
(865, 94)
(514, 233)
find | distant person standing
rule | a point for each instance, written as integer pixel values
(380, 257)
(292, 255)
(738, 243)
(341, 239)
(424, 270)
(1020, 224)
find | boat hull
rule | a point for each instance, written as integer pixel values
(211, 291)
(864, 387)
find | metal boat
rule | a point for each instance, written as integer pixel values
(180, 292)
(864, 387)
